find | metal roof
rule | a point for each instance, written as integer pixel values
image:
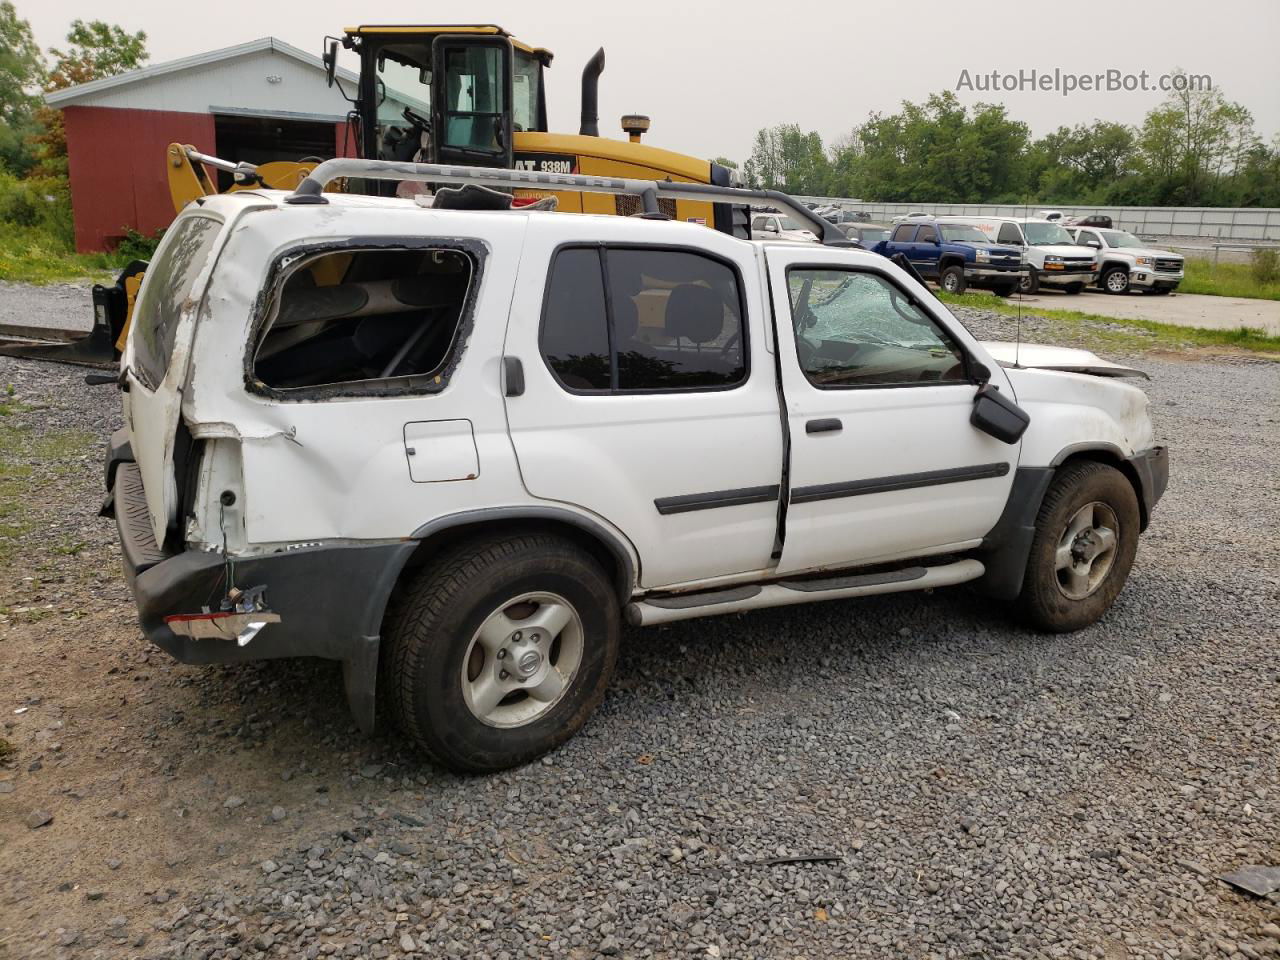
(72, 95)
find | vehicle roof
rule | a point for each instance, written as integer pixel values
(476, 29)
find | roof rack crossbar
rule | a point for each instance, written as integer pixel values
(311, 189)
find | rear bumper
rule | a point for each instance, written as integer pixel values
(330, 599)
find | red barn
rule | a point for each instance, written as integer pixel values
(259, 101)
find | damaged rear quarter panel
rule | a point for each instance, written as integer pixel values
(1077, 411)
(334, 466)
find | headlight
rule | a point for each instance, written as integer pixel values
(1052, 259)
(1143, 262)
(983, 255)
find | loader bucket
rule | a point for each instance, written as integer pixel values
(100, 346)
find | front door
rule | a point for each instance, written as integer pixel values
(649, 394)
(884, 461)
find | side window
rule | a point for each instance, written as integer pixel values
(168, 284)
(1009, 233)
(856, 329)
(632, 319)
(363, 320)
(1086, 236)
(575, 331)
(757, 223)
(927, 235)
(903, 232)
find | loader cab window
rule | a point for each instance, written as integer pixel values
(526, 93)
(403, 92)
(475, 97)
(363, 321)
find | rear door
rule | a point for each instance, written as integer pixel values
(884, 462)
(649, 393)
(157, 351)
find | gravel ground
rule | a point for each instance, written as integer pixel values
(967, 788)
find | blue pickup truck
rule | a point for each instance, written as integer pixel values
(955, 255)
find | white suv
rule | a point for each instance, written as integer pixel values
(455, 449)
(1128, 264)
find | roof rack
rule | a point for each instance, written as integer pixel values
(311, 189)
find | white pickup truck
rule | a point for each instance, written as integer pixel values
(456, 448)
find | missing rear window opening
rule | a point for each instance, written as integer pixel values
(361, 317)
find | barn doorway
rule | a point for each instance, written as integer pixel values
(248, 139)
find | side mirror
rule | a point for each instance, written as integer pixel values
(330, 59)
(770, 228)
(1097, 245)
(997, 415)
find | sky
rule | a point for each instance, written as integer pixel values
(712, 73)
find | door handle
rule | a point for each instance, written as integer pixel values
(826, 425)
(513, 375)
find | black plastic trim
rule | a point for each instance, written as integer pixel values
(683, 601)
(687, 503)
(901, 481)
(1007, 545)
(824, 425)
(905, 575)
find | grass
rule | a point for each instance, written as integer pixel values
(1130, 334)
(55, 451)
(34, 255)
(1226, 280)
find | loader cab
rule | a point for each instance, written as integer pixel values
(449, 95)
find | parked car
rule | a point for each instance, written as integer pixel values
(453, 449)
(1053, 216)
(1092, 220)
(780, 226)
(866, 233)
(1129, 264)
(1052, 255)
(956, 255)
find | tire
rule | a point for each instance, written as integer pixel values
(440, 674)
(1004, 289)
(1065, 592)
(952, 279)
(1074, 288)
(1115, 281)
(1030, 283)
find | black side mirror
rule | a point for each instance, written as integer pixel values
(330, 59)
(997, 415)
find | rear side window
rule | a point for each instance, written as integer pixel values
(169, 278)
(634, 319)
(355, 322)
(903, 233)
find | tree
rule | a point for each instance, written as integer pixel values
(1082, 164)
(96, 50)
(786, 158)
(21, 73)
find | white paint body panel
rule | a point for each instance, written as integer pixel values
(886, 431)
(441, 451)
(615, 455)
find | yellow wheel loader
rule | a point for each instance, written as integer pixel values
(446, 95)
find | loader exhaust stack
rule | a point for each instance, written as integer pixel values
(591, 95)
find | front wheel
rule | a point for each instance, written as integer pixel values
(952, 280)
(1029, 282)
(500, 650)
(1085, 541)
(1116, 280)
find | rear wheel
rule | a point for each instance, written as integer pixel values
(1085, 541)
(500, 650)
(1116, 280)
(952, 279)
(1029, 282)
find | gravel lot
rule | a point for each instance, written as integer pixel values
(974, 790)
